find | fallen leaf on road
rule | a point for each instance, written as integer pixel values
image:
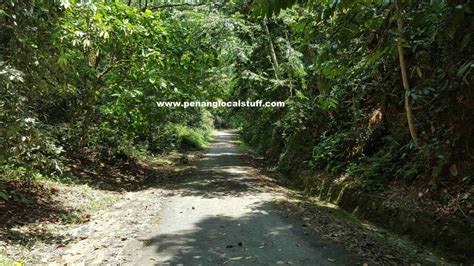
(233, 259)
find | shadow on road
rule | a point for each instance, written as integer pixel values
(223, 171)
(236, 219)
(265, 235)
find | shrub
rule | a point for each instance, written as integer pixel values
(192, 138)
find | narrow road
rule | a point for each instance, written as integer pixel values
(224, 212)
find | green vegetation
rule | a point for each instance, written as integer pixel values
(81, 81)
(339, 71)
(378, 92)
(189, 138)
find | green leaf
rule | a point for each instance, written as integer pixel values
(4, 196)
(300, 95)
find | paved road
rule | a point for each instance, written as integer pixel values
(225, 213)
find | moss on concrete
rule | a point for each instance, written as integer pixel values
(450, 236)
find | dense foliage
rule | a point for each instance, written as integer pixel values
(82, 80)
(339, 70)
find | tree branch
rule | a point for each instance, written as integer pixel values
(110, 67)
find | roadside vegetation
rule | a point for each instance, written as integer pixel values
(378, 97)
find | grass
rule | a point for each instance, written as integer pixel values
(6, 261)
(243, 146)
(193, 139)
(82, 200)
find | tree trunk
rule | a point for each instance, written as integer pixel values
(288, 48)
(406, 86)
(272, 49)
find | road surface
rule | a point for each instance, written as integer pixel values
(224, 212)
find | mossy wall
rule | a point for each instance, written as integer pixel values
(446, 234)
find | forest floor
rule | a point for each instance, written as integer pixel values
(220, 209)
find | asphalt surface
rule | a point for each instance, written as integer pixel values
(224, 212)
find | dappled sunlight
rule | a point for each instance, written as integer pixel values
(326, 204)
(227, 133)
(235, 170)
(220, 239)
(222, 144)
(226, 214)
(223, 171)
(222, 154)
